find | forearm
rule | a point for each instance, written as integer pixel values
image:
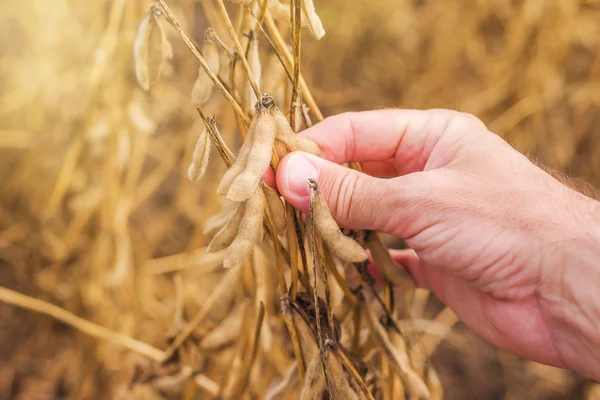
(571, 291)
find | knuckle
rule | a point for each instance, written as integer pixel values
(358, 199)
(459, 120)
(344, 190)
(472, 120)
(340, 119)
(463, 123)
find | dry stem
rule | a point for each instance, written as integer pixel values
(238, 47)
(87, 327)
(282, 46)
(190, 44)
(227, 282)
(99, 332)
(296, 15)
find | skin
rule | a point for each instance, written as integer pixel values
(512, 250)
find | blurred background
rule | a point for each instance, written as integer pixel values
(93, 195)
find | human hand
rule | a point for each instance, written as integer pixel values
(513, 251)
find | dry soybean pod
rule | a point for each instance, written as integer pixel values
(250, 229)
(245, 30)
(141, 48)
(217, 221)
(276, 206)
(255, 67)
(286, 385)
(314, 382)
(285, 134)
(259, 157)
(344, 247)
(240, 164)
(314, 22)
(386, 264)
(203, 86)
(281, 13)
(398, 357)
(159, 49)
(227, 331)
(342, 386)
(227, 234)
(200, 157)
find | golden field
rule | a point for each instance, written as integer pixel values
(98, 218)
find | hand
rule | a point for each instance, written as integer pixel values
(513, 251)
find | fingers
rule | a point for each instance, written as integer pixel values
(380, 169)
(269, 178)
(414, 140)
(356, 200)
(516, 326)
(409, 260)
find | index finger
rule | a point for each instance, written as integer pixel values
(407, 137)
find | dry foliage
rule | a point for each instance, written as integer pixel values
(110, 221)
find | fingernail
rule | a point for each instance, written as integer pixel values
(299, 168)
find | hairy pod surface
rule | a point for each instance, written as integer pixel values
(227, 234)
(342, 387)
(314, 22)
(255, 67)
(314, 381)
(242, 160)
(343, 246)
(287, 137)
(150, 50)
(277, 209)
(310, 18)
(280, 11)
(250, 230)
(200, 157)
(262, 136)
(203, 86)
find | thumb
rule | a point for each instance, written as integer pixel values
(356, 200)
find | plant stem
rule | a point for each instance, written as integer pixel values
(87, 327)
(238, 47)
(189, 43)
(341, 356)
(273, 45)
(296, 14)
(227, 282)
(282, 46)
(255, 343)
(217, 139)
(288, 317)
(314, 242)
